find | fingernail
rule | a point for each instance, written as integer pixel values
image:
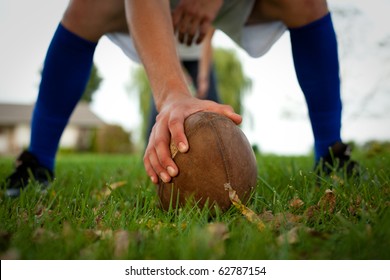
(171, 171)
(165, 177)
(182, 147)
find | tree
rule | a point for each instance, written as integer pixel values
(231, 79)
(141, 87)
(112, 139)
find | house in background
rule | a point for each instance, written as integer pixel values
(15, 128)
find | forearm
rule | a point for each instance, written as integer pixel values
(206, 58)
(151, 27)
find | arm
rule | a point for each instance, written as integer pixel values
(205, 65)
(151, 27)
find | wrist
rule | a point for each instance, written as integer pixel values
(169, 92)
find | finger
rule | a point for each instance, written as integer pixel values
(181, 37)
(225, 110)
(158, 168)
(204, 27)
(147, 163)
(176, 127)
(163, 156)
(192, 31)
(183, 26)
(229, 112)
(177, 15)
(149, 169)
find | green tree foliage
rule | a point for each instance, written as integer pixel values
(112, 139)
(93, 84)
(231, 79)
(140, 86)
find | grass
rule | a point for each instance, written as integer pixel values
(104, 207)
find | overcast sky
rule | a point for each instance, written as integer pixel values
(276, 118)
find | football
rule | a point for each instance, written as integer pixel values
(219, 157)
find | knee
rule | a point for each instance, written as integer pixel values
(299, 12)
(312, 7)
(91, 19)
(304, 5)
(305, 11)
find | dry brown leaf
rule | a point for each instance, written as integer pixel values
(355, 206)
(122, 241)
(91, 235)
(312, 212)
(290, 237)
(10, 254)
(285, 219)
(326, 205)
(337, 179)
(327, 202)
(213, 236)
(99, 221)
(218, 231)
(248, 213)
(296, 203)
(112, 187)
(67, 230)
(39, 212)
(104, 234)
(23, 217)
(267, 216)
(174, 149)
(40, 235)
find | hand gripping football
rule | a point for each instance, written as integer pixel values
(219, 155)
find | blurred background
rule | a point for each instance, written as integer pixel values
(275, 115)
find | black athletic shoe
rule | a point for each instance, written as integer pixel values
(338, 160)
(27, 170)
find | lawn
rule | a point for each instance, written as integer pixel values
(104, 207)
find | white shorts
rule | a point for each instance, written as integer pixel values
(255, 39)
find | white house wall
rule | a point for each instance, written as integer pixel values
(14, 140)
(21, 137)
(69, 137)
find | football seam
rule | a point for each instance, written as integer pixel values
(222, 149)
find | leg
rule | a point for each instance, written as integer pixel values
(66, 71)
(212, 93)
(192, 68)
(293, 13)
(315, 55)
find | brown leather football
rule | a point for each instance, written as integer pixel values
(219, 154)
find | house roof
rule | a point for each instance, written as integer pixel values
(12, 114)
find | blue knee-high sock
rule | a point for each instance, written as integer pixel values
(315, 55)
(65, 74)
